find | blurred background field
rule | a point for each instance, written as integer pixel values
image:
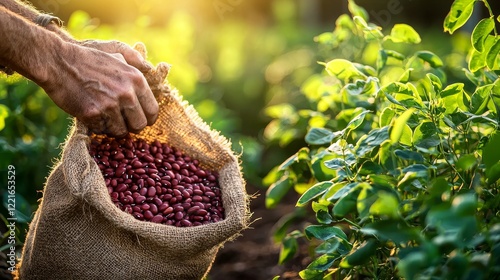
(236, 61)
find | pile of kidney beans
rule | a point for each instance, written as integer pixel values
(158, 183)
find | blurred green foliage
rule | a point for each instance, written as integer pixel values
(223, 70)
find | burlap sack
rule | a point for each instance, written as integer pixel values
(78, 233)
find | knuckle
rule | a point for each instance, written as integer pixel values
(91, 113)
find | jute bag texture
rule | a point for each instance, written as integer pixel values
(78, 233)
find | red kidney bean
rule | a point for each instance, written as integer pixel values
(210, 194)
(197, 192)
(148, 158)
(119, 171)
(140, 199)
(148, 215)
(151, 191)
(193, 209)
(157, 219)
(157, 183)
(201, 212)
(162, 207)
(121, 188)
(168, 210)
(179, 215)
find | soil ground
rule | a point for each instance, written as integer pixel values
(254, 255)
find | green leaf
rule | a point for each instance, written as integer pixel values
(347, 203)
(452, 90)
(387, 116)
(403, 33)
(491, 158)
(395, 54)
(325, 38)
(410, 266)
(381, 60)
(420, 169)
(323, 232)
(331, 193)
(385, 155)
(288, 249)
(386, 205)
(324, 217)
(323, 262)
(361, 255)
(288, 162)
(391, 230)
(480, 99)
(4, 113)
(478, 60)
(282, 225)
(466, 162)
(393, 100)
(277, 191)
(357, 10)
(465, 204)
(399, 124)
(409, 155)
(321, 136)
(358, 119)
(313, 192)
(430, 58)
(460, 12)
(435, 81)
(328, 247)
(426, 135)
(365, 199)
(492, 55)
(310, 274)
(280, 111)
(343, 69)
(480, 32)
(405, 77)
(336, 164)
(367, 143)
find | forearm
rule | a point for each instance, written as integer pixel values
(30, 13)
(27, 48)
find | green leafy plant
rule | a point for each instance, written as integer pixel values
(400, 175)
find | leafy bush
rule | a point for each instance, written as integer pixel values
(401, 169)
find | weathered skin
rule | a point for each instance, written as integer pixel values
(101, 83)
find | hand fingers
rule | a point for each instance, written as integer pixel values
(110, 123)
(148, 103)
(116, 125)
(133, 57)
(135, 118)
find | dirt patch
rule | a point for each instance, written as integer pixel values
(254, 255)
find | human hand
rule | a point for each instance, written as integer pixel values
(103, 87)
(131, 56)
